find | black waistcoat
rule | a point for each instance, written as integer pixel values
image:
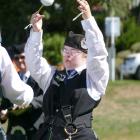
(71, 92)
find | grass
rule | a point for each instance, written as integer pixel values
(118, 115)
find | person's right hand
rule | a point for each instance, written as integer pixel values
(3, 115)
(36, 21)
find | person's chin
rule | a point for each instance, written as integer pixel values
(67, 66)
(23, 68)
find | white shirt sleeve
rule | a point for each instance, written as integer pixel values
(38, 66)
(97, 66)
(13, 88)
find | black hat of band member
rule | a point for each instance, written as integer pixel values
(76, 41)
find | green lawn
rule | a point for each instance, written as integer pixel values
(118, 115)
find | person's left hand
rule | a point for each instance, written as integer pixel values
(84, 8)
(36, 21)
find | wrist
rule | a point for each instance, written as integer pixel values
(37, 30)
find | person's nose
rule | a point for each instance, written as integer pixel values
(21, 60)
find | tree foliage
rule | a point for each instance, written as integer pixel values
(135, 48)
(53, 44)
(118, 7)
(15, 15)
(130, 34)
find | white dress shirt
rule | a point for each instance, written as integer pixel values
(97, 66)
(13, 88)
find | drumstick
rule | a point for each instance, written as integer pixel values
(77, 16)
(30, 25)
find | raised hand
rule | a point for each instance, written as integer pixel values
(36, 21)
(84, 8)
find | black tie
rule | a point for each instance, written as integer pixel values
(71, 73)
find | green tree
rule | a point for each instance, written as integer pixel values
(118, 7)
(130, 33)
(14, 15)
(53, 44)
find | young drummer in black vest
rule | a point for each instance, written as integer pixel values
(71, 95)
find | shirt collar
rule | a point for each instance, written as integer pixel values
(80, 69)
(27, 74)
